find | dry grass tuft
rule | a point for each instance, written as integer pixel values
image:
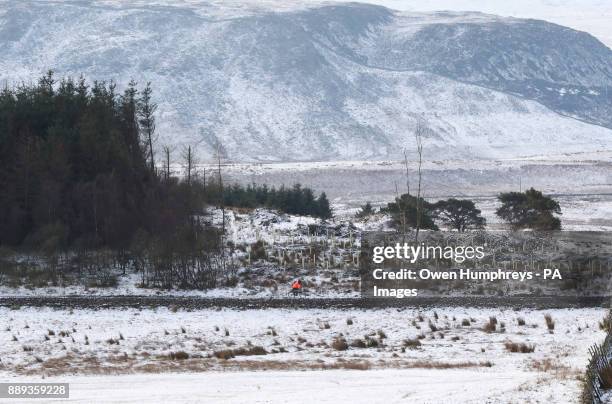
(180, 355)
(519, 347)
(231, 353)
(550, 323)
(490, 326)
(605, 376)
(112, 341)
(339, 344)
(447, 365)
(412, 343)
(604, 324)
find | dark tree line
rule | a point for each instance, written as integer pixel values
(80, 186)
(77, 172)
(296, 200)
(72, 164)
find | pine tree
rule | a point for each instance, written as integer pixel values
(323, 208)
(146, 111)
(530, 209)
(459, 214)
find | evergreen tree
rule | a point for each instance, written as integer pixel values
(366, 210)
(146, 111)
(459, 214)
(323, 208)
(404, 210)
(530, 209)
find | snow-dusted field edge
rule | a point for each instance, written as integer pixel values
(125, 355)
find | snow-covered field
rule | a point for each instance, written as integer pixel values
(329, 386)
(172, 355)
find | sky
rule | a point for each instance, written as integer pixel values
(593, 16)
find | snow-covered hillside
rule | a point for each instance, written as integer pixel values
(288, 81)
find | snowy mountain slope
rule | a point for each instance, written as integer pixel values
(313, 82)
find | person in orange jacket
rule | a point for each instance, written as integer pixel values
(296, 287)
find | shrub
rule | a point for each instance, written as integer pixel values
(465, 322)
(491, 326)
(604, 324)
(550, 323)
(339, 344)
(412, 343)
(180, 355)
(258, 251)
(520, 321)
(519, 347)
(366, 210)
(605, 376)
(225, 354)
(231, 353)
(349, 321)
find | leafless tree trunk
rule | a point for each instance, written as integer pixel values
(418, 134)
(402, 211)
(222, 205)
(189, 164)
(407, 172)
(167, 158)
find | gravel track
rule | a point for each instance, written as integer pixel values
(194, 303)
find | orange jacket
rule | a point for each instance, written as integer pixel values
(296, 285)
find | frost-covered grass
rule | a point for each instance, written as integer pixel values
(380, 343)
(144, 340)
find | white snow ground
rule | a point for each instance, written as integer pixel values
(331, 386)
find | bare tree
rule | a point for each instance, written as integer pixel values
(219, 152)
(167, 162)
(189, 164)
(418, 134)
(407, 172)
